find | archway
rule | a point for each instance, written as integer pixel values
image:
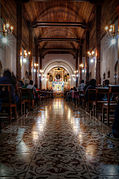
(65, 68)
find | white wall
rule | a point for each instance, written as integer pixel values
(109, 56)
(8, 54)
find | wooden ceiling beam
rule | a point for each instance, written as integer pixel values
(59, 39)
(59, 49)
(91, 1)
(58, 52)
(59, 24)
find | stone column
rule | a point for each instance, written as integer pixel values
(31, 50)
(36, 61)
(98, 41)
(40, 65)
(87, 57)
(76, 68)
(19, 39)
(80, 61)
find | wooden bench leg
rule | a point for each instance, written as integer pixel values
(15, 113)
(103, 115)
(108, 116)
(10, 114)
(21, 108)
(24, 108)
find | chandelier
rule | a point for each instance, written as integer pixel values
(110, 29)
(25, 53)
(6, 29)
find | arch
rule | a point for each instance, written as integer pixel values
(58, 63)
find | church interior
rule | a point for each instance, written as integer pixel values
(59, 89)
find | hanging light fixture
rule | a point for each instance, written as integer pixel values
(110, 29)
(5, 28)
(25, 53)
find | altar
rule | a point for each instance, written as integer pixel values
(58, 86)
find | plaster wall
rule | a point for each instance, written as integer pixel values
(8, 54)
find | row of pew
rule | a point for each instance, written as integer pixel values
(101, 102)
(27, 100)
(104, 103)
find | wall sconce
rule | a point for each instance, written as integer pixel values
(91, 53)
(41, 71)
(73, 75)
(36, 65)
(81, 65)
(110, 29)
(76, 71)
(25, 53)
(6, 29)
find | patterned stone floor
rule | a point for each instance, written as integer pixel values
(57, 141)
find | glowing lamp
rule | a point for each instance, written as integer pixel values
(92, 60)
(24, 60)
(4, 40)
(113, 41)
(7, 26)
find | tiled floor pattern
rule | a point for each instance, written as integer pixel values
(57, 141)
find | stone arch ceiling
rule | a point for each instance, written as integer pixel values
(58, 11)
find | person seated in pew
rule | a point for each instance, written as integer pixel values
(35, 94)
(106, 83)
(7, 79)
(92, 85)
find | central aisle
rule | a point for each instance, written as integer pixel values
(57, 141)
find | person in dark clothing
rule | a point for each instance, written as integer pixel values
(92, 85)
(7, 79)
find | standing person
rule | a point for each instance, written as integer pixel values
(81, 91)
(81, 86)
(34, 94)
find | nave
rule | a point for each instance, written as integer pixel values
(58, 141)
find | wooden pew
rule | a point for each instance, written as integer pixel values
(109, 107)
(101, 92)
(26, 98)
(7, 102)
(91, 99)
(22, 101)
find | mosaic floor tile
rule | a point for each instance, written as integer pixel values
(58, 141)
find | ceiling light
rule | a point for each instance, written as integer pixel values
(91, 60)
(24, 60)
(113, 41)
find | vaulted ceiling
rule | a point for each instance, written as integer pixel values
(59, 23)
